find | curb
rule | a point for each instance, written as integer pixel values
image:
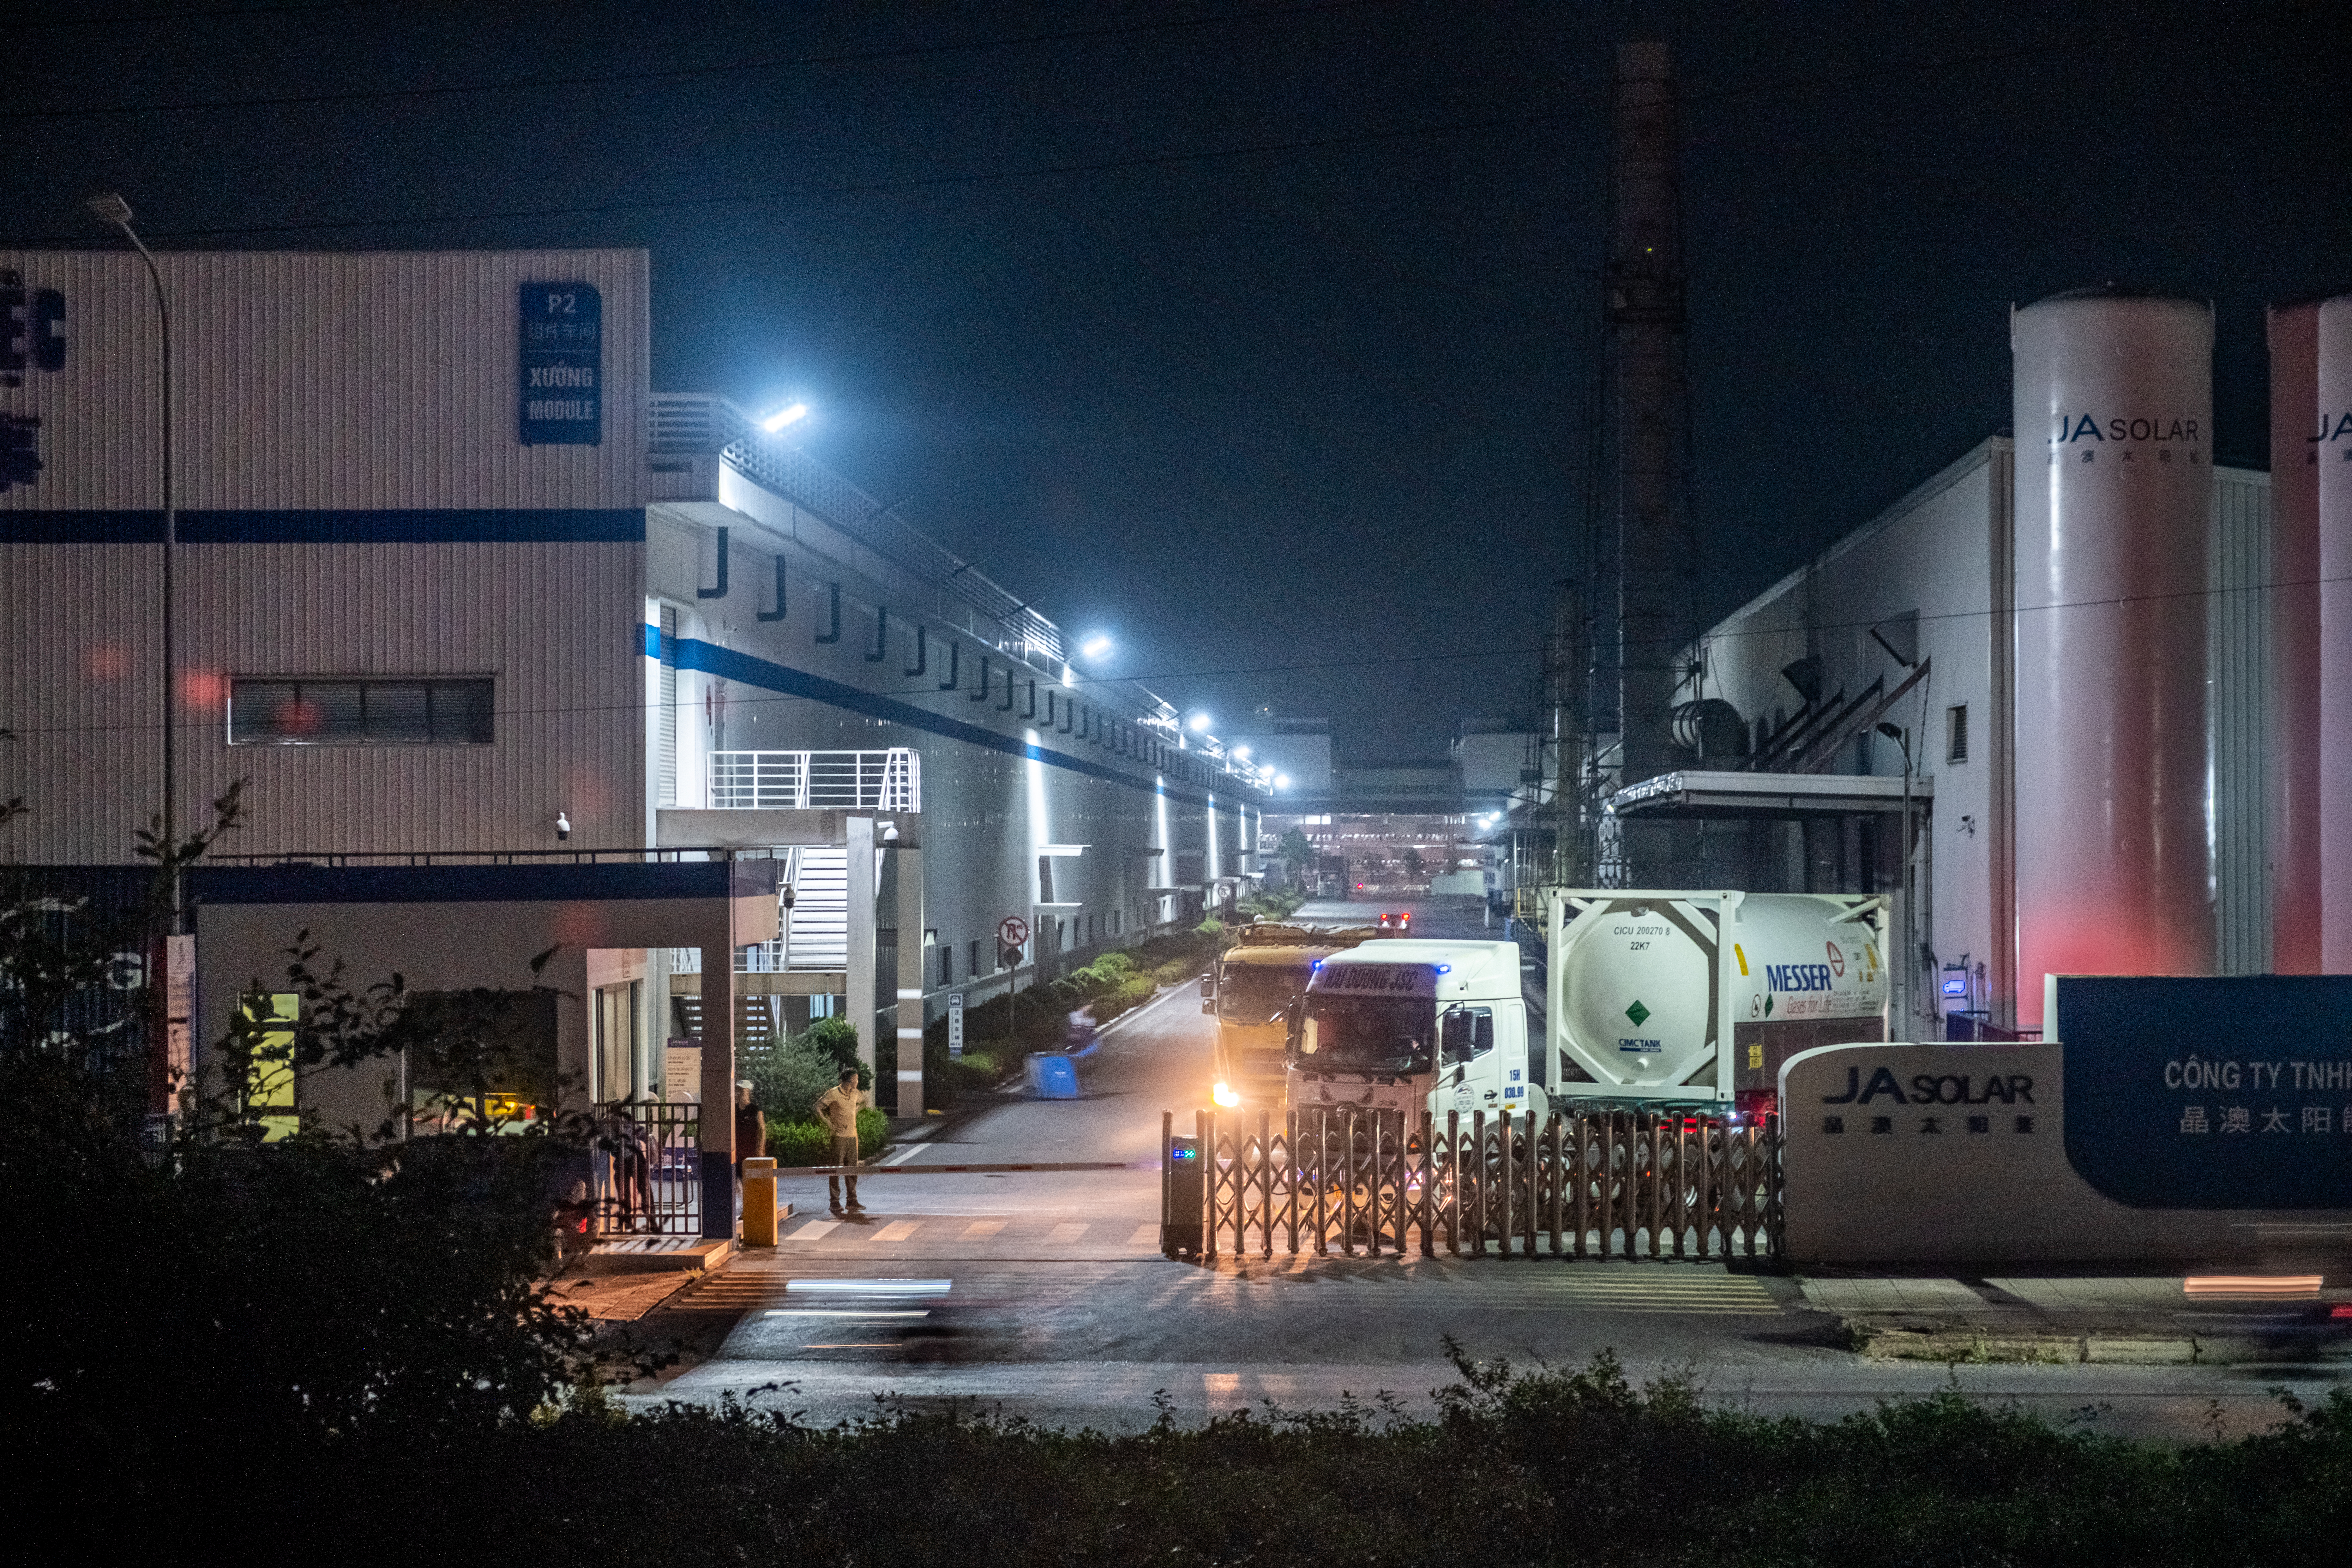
(2118, 1346)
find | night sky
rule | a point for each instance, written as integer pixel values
(1262, 337)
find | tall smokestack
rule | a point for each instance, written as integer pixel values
(1656, 555)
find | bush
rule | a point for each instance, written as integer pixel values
(811, 1143)
(838, 1037)
(788, 1076)
(1129, 994)
(1552, 1466)
(951, 1080)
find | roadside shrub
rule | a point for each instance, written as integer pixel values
(811, 1143)
(838, 1037)
(1554, 1466)
(949, 1082)
(788, 1076)
(1131, 993)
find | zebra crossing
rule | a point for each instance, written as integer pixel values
(994, 1233)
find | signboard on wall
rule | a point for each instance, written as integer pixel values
(560, 375)
(955, 1024)
(2209, 1093)
(682, 1072)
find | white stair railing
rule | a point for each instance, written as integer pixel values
(889, 780)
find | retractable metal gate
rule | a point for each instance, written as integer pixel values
(1595, 1183)
(646, 1170)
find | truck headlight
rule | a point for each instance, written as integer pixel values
(1224, 1095)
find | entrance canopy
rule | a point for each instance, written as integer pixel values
(1716, 794)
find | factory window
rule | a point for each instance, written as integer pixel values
(359, 712)
(1955, 733)
(971, 960)
(946, 964)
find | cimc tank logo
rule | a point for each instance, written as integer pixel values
(31, 338)
(1837, 960)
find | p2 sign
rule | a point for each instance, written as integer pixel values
(560, 372)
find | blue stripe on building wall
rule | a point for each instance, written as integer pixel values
(477, 525)
(81, 528)
(461, 884)
(728, 665)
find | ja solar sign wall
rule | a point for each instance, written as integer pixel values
(2200, 1094)
(2196, 1122)
(562, 370)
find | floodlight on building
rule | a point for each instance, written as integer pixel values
(1095, 646)
(1282, 780)
(791, 414)
(1199, 722)
(1241, 753)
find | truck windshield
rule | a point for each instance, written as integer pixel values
(1367, 1033)
(1257, 992)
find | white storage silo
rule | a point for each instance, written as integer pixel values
(2115, 858)
(2295, 675)
(2331, 447)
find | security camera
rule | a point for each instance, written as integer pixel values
(562, 825)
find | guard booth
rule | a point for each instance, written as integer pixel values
(522, 927)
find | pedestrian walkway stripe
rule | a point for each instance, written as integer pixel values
(869, 1171)
(1145, 1236)
(897, 1230)
(983, 1228)
(815, 1229)
(1067, 1233)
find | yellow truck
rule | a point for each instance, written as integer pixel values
(1248, 991)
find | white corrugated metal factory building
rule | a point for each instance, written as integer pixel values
(447, 570)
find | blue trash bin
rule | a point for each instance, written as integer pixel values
(1053, 1076)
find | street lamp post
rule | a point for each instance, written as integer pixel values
(1901, 973)
(110, 207)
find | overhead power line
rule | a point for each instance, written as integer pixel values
(864, 187)
(1083, 681)
(677, 73)
(225, 14)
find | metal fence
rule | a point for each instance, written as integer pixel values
(888, 780)
(1585, 1184)
(647, 1170)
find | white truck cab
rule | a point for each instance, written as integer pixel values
(1407, 1025)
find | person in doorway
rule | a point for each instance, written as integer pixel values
(751, 1126)
(837, 1107)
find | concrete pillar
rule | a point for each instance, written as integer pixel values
(655, 1024)
(567, 971)
(858, 889)
(909, 1014)
(717, 1142)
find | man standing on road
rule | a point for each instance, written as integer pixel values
(837, 1107)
